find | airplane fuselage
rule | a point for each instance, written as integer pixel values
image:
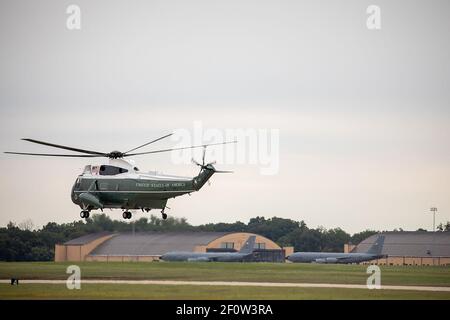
(204, 257)
(332, 257)
(245, 251)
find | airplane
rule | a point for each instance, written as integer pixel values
(121, 185)
(246, 251)
(373, 253)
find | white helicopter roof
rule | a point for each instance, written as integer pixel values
(130, 171)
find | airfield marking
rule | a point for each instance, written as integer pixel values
(237, 283)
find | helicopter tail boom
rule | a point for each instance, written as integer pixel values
(205, 174)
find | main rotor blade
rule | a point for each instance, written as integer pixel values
(56, 155)
(66, 148)
(146, 144)
(173, 149)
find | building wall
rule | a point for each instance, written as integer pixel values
(122, 258)
(411, 261)
(81, 252)
(200, 248)
(239, 239)
(288, 250)
(77, 252)
(60, 253)
(409, 248)
(349, 247)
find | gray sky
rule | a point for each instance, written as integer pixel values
(363, 114)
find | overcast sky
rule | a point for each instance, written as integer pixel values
(363, 114)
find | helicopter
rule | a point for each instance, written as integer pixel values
(119, 184)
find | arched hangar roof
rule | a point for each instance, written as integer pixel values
(154, 243)
(411, 243)
(158, 243)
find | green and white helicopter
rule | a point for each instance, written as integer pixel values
(121, 185)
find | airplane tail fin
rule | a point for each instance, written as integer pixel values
(249, 245)
(377, 247)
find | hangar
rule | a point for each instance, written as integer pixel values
(410, 248)
(149, 246)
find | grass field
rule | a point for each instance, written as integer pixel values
(254, 272)
(124, 291)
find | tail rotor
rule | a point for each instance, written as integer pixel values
(203, 165)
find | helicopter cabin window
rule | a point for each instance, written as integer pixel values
(95, 170)
(111, 170)
(87, 169)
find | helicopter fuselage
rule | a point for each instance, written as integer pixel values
(120, 185)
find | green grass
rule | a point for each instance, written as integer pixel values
(266, 272)
(257, 272)
(139, 291)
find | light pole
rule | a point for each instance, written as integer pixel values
(434, 209)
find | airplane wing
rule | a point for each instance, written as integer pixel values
(332, 259)
(203, 259)
(200, 259)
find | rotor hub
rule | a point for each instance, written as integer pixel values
(115, 154)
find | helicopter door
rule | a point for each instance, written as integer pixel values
(95, 170)
(77, 184)
(103, 186)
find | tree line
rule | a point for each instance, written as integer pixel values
(22, 243)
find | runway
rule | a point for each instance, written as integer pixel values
(236, 283)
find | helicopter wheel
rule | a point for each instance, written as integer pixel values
(126, 215)
(84, 214)
(164, 216)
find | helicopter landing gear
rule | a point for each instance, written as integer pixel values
(84, 214)
(164, 215)
(126, 215)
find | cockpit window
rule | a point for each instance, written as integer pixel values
(106, 170)
(87, 169)
(136, 169)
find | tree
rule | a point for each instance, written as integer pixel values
(360, 236)
(334, 240)
(273, 228)
(26, 225)
(25, 244)
(443, 227)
